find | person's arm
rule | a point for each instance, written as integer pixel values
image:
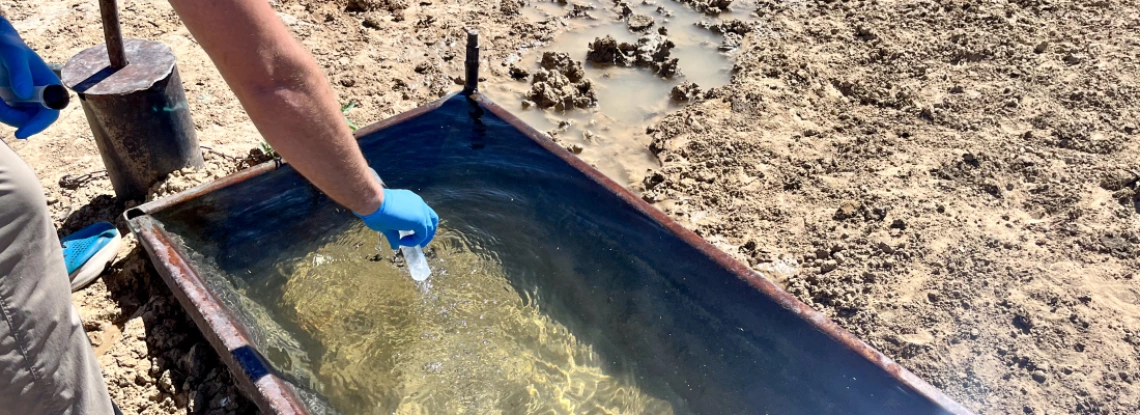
(290, 101)
(285, 93)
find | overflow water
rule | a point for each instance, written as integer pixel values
(629, 99)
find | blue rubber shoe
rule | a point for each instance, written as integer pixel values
(88, 251)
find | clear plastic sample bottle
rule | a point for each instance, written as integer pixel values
(414, 257)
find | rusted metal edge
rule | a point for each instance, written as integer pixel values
(221, 328)
(785, 299)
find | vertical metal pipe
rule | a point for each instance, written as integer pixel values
(139, 117)
(111, 33)
(472, 81)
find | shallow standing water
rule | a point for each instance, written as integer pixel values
(629, 99)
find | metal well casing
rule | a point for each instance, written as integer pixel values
(138, 114)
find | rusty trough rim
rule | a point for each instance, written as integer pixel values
(220, 327)
(271, 393)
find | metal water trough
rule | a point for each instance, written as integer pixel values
(720, 336)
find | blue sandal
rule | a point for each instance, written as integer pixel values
(89, 251)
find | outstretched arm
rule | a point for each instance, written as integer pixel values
(285, 93)
(290, 101)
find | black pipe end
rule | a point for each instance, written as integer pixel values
(56, 97)
(134, 213)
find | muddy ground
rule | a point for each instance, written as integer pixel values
(955, 182)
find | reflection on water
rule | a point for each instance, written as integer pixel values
(469, 343)
(629, 99)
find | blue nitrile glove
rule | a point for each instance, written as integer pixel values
(402, 210)
(25, 70)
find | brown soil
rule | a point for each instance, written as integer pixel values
(954, 182)
(712, 7)
(650, 51)
(560, 83)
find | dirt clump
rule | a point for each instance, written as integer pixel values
(578, 10)
(623, 9)
(217, 165)
(639, 22)
(179, 373)
(517, 73)
(561, 83)
(685, 92)
(737, 26)
(731, 42)
(710, 7)
(511, 7)
(732, 31)
(606, 50)
(393, 6)
(564, 64)
(651, 51)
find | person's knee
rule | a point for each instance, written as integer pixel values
(22, 200)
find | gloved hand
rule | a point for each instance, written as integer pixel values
(402, 210)
(25, 70)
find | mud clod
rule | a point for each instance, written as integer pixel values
(393, 6)
(560, 83)
(651, 51)
(710, 7)
(1119, 179)
(735, 26)
(580, 11)
(685, 92)
(511, 7)
(639, 22)
(605, 50)
(518, 73)
(731, 41)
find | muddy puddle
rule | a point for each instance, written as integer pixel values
(611, 135)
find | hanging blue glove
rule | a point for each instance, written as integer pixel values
(24, 70)
(402, 210)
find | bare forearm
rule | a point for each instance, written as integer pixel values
(285, 93)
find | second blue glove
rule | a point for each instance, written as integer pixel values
(22, 71)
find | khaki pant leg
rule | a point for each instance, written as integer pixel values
(46, 363)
